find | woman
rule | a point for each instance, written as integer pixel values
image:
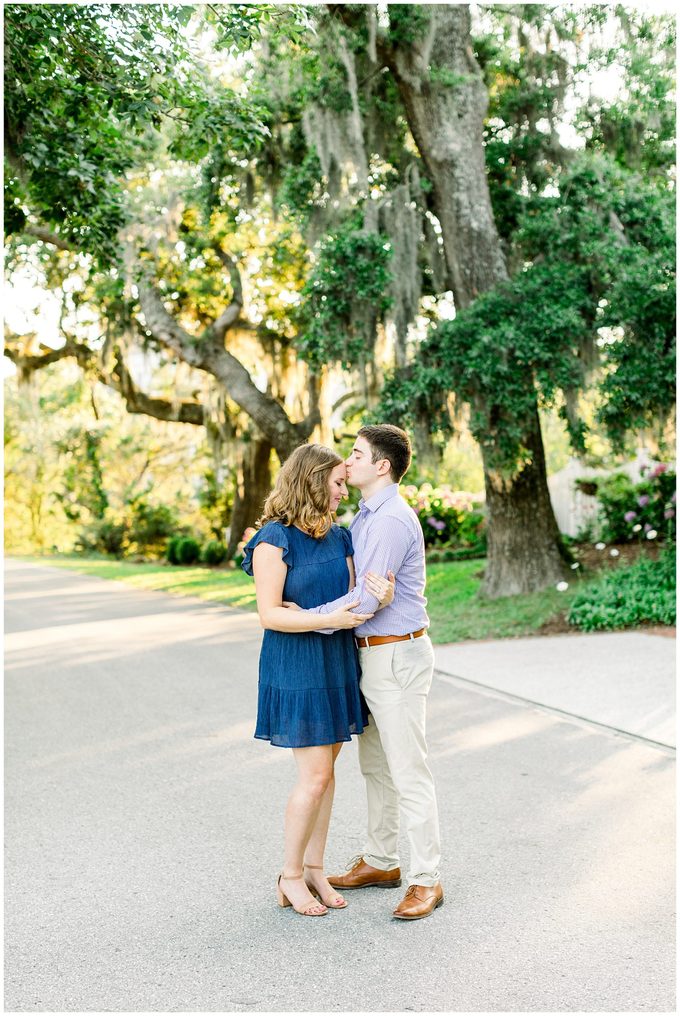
(308, 696)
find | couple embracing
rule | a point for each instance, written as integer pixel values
(346, 635)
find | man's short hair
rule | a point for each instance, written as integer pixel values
(389, 442)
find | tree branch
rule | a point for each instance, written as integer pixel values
(47, 236)
(120, 380)
(209, 354)
(231, 314)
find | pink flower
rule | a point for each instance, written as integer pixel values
(630, 516)
(658, 470)
(643, 500)
(669, 513)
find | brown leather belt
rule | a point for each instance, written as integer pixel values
(381, 640)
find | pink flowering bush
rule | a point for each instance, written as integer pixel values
(450, 518)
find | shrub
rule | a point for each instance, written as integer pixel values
(188, 550)
(214, 552)
(113, 537)
(150, 526)
(105, 536)
(171, 549)
(629, 511)
(449, 518)
(641, 593)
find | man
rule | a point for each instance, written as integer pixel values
(397, 663)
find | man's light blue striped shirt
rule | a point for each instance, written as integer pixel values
(387, 536)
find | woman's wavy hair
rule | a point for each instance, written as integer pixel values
(301, 495)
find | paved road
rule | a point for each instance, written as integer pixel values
(143, 828)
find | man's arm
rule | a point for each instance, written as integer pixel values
(269, 571)
(388, 543)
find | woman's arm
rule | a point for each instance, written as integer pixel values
(269, 571)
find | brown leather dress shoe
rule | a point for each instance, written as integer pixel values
(361, 875)
(419, 901)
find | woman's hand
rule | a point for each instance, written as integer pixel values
(345, 617)
(382, 588)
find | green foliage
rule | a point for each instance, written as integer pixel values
(527, 84)
(408, 23)
(188, 550)
(86, 88)
(214, 552)
(616, 496)
(216, 502)
(240, 26)
(150, 527)
(629, 511)
(82, 494)
(141, 528)
(219, 119)
(643, 593)
(344, 297)
(539, 332)
(412, 394)
(638, 388)
(105, 536)
(638, 130)
(302, 188)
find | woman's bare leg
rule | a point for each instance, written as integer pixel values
(315, 773)
(316, 845)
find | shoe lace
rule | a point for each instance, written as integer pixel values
(353, 863)
(410, 891)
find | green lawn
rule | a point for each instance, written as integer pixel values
(456, 612)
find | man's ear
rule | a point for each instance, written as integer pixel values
(384, 466)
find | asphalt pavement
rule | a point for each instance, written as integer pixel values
(143, 823)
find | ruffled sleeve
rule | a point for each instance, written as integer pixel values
(272, 532)
(346, 538)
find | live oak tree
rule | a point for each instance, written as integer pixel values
(91, 109)
(537, 240)
(380, 162)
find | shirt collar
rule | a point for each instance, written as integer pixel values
(376, 500)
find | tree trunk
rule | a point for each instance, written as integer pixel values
(524, 548)
(446, 100)
(253, 484)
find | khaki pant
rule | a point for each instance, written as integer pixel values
(395, 681)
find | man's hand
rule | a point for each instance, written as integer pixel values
(381, 588)
(291, 606)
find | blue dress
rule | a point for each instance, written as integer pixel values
(308, 690)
